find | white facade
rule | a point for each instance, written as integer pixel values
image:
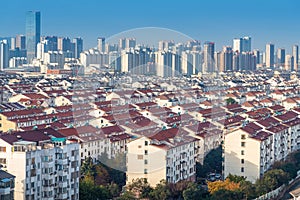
(173, 160)
(57, 57)
(251, 153)
(47, 171)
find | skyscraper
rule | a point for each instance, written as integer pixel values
(226, 62)
(4, 51)
(237, 44)
(208, 57)
(242, 44)
(246, 44)
(12, 43)
(21, 42)
(280, 57)
(52, 43)
(33, 33)
(126, 43)
(257, 55)
(101, 44)
(78, 43)
(289, 63)
(296, 56)
(270, 55)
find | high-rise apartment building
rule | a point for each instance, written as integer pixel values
(21, 42)
(126, 43)
(280, 57)
(208, 57)
(242, 44)
(78, 46)
(226, 59)
(33, 33)
(296, 56)
(101, 44)
(270, 55)
(4, 54)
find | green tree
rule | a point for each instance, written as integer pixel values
(140, 187)
(127, 196)
(235, 178)
(161, 191)
(102, 177)
(89, 191)
(193, 192)
(248, 189)
(177, 189)
(212, 163)
(88, 168)
(275, 178)
(230, 101)
(115, 168)
(271, 180)
(226, 195)
(113, 189)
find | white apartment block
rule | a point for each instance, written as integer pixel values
(251, 150)
(168, 155)
(46, 166)
(94, 142)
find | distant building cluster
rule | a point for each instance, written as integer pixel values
(34, 52)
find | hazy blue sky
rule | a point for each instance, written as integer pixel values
(218, 21)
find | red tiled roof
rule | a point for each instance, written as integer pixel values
(111, 129)
(251, 128)
(278, 128)
(32, 136)
(261, 136)
(19, 113)
(268, 122)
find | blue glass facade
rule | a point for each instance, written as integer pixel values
(33, 33)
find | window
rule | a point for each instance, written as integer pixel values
(146, 143)
(243, 144)
(242, 169)
(146, 152)
(243, 137)
(2, 149)
(242, 152)
(140, 157)
(2, 160)
(242, 161)
(145, 171)
(145, 162)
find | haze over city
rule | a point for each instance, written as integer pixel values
(218, 21)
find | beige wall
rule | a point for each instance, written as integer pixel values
(136, 157)
(232, 153)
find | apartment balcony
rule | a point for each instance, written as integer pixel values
(62, 196)
(61, 162)
(48, 187)
(5, 191)
(63, 184)
(62, 172)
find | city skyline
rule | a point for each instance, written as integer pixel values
(264, 21)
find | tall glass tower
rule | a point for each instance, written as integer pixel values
(33, 33)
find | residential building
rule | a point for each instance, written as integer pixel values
(44, 163)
